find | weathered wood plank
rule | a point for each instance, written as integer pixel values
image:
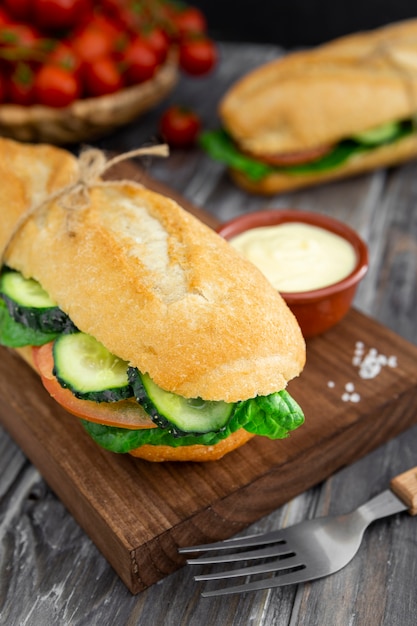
(138, 514)
(50, 572)
(140, 541)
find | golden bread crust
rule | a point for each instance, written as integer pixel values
(162, 291)
(278, 182)
(197, 453)
(28, 173)
(320, 96)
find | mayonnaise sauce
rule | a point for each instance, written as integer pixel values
(295, 256)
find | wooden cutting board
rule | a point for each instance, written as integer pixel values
(358, 389)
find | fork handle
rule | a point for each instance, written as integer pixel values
(405, 487)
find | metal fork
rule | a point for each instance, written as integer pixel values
(305, 551)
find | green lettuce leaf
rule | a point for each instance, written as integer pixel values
(220, 146)
(16, 335)
(273, 416)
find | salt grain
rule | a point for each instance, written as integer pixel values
(369, 366)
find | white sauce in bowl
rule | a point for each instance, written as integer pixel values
(297, 257)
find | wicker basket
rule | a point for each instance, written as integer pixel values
(88, 119)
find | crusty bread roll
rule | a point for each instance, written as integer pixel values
(133, 264)
(196, 453)
(29, 173)
(319, 97)
(384, 156)
(156, 287)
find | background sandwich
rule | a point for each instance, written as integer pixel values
(312, 116)
(123, 306)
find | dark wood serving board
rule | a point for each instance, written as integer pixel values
(138, 513)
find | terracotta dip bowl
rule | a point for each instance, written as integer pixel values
(319, 308)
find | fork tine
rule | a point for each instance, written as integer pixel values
(292, 578)
(279, 549)
(237, 542)
(262, 568)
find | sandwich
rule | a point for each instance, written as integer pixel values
(341, 109)
(139, 319)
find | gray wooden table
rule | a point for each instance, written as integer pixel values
(41, 583)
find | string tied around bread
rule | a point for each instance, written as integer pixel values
(92, 165)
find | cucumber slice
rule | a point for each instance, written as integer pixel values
(25, 291)
(178, 414)
(89, 370)
(15, 335)
(379, 135)
(30, 305)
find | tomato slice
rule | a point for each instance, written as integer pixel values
(293, 158)
(123, 414)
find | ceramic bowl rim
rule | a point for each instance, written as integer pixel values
(270, 217)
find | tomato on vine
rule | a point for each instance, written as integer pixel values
(56, 87)
(19, 9)
(21, 88)
(95, 46)
(59, 14)
(90, 42)
(5, 18)
(19, 37)
(140, 60)
(64, 56)
(3, 90)
(189, 21)
(158, 40)
(102, 77)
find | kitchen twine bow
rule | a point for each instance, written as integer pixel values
(92, 164)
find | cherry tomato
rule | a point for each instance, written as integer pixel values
(197, 56)
(19, 36)
(159, 41)
(5, 18)
(3, 92)
(56, 87)
(103, 22)
(59, 14)
(64, 56)
(121, 12)
(190, 20)
(22, 85)
(179, 126)
(91, 42)
(125, 414)
(19, 9)
(102, 77)
(140, 60)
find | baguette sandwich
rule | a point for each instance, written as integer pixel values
(139, 319)
(343, 108)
